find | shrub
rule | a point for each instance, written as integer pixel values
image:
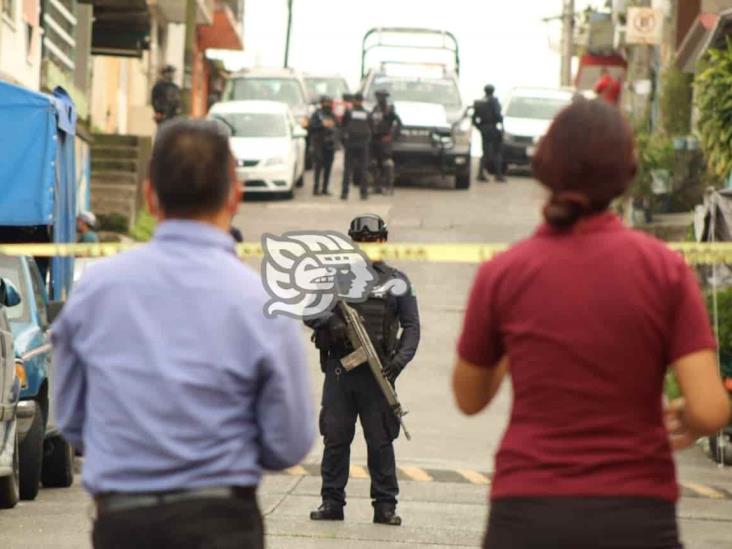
(676, 101)
(713, 86)
(144, 226)
(114, 222)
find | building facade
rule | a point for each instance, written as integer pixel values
(20, 42)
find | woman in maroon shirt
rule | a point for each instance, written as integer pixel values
(587, 316)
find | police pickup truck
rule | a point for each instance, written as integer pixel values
(435, 129)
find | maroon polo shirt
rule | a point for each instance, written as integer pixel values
(590, 320)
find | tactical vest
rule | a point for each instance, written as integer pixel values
(359, 128)
(381, 320)
(328, 135)
(382, 121)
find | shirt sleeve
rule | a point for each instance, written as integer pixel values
(409, 321)
(480, 342)
(69, 387)
(690, 329)
(284, 406)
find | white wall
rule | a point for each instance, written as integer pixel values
(17, 63)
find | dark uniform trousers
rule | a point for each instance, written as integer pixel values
(233, 523)
(384, 158)
(492, 150)
(347, 396)
(323, 164)
(356, 166)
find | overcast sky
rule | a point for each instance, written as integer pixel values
(504, 42)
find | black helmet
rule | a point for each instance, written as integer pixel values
(326, 99)
(368, 228)
(489, 89)
(358, 96)
(381, 93)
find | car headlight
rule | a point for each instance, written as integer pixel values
(275, 161)
(21, 373)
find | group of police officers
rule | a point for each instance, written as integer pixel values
(366, 136)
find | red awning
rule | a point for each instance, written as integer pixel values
(223, 34)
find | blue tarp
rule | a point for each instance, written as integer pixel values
(38, 169)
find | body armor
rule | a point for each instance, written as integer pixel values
(380, 319)
(358, 128)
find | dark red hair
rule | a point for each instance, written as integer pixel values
(586, 160)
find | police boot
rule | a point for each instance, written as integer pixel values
(328, 511)
(385, 513)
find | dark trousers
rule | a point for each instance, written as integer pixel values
(194, 524)
(356, 165)
(322, 165)
(579, 523)
(384, 160)
(347, 396)
(492, 151)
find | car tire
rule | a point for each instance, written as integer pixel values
(58, 463)
(10, 485)
(31, 458)
(719, 455)
(462, 181)
(300, 181)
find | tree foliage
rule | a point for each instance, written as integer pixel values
(714, 101)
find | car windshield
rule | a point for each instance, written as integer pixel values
(536, 108)
(443, 92)
(282, 90)
(253, 124)
(318, 87)
(10, 269)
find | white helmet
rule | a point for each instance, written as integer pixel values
(89, 218)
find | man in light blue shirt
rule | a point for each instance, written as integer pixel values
(170, 378)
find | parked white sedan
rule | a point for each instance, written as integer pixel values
(268, 144)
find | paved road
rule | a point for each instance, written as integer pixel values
(445, 468)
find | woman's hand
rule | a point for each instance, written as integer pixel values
(679, 433)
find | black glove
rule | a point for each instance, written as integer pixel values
(392, 371)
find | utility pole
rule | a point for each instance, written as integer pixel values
(289, 33)
(189, 58)
(567, 42)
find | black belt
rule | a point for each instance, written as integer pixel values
(121, 501)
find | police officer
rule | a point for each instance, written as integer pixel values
(323, 128)
(384, 123)
(356, 129)
(348, 395)
(486, 118)
(166, 96)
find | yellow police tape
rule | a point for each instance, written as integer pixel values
(695, 254)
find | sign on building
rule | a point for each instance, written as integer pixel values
(644, 26)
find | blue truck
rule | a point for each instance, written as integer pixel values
(38, 204)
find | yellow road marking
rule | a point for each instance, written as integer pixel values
(474, 476)
(297, 471)
(356, 471)
(416, 473)
(705, 491)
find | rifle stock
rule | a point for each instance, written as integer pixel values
(365, 352)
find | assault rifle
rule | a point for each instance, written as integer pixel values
(365, 353)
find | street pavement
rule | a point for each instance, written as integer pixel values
(445, 469)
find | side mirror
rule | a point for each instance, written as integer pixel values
(9, 295)
(54, 310)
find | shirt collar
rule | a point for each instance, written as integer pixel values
(194, 232)
(602, 222)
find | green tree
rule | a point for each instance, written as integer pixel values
(714, 101)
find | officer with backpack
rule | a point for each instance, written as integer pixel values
(487, 117)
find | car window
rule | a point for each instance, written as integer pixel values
(282, 90)
(10, 268)
(318, 87)
(443, 92)
(536, 108)
(253, 124)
